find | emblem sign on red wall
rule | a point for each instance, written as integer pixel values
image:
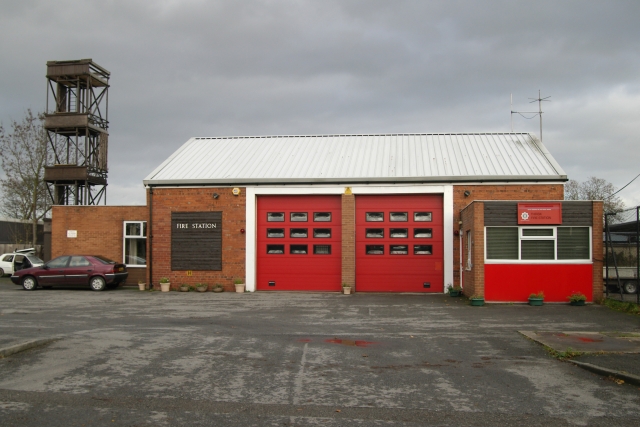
(539, 213)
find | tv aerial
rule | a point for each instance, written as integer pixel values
(538, 113)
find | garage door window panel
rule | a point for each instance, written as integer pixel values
(275, 233)
(275, 249)
(275, 216)
(298, 249)
(422, 216)
(322, 233)
(375, 249)
(422, 233)
(374, 216)
(322, 249)
(298, 233)
(299, 217)
(322, 216)
(399, 233)
(399, 250)
(422, 249)
(374, 233)
(398, 216)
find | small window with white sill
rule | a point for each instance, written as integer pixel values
(135, 243)
(538, 244)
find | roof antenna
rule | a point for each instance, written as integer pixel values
(535, 113)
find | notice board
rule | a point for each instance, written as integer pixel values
(196, 241)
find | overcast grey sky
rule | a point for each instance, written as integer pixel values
(183, 68)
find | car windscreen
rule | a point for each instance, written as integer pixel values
(103, 260)
(34, 259)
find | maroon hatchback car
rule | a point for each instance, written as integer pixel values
(94, 271)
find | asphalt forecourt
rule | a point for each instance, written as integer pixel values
(126, 357)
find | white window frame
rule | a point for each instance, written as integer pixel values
(469, 251)
(125, 236)
(521, 237)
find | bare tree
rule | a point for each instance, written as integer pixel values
(24, 155)
(594, 189)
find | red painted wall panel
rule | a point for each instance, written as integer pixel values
(515, 282)
(299, 272)
(387, 272)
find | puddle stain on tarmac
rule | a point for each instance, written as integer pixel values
(351, 343)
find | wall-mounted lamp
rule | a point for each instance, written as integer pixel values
(216, 195)
(467, 193)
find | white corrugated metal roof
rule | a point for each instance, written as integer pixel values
(358, 158)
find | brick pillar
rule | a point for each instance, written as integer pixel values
(349, 239)
(478, 249)
(598, 251)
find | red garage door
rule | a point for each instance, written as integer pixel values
(299, 243)
(399, 243)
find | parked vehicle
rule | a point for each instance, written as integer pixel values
(18, 260)
(628, 279)
(94, 271)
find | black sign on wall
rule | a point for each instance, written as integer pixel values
(196, 241)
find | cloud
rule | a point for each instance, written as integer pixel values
(215, 68)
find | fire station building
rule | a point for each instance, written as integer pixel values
(385, 213)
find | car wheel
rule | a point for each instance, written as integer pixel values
(29, 283)
(97, 283)
(630, 287)
(1, 272)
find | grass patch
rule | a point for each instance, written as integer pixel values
(563, 355)
(622, 306)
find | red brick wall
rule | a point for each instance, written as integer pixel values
(168, 200)
(348, 239)
(597, 251)
(100, 232)
(473, 221)
(496, 192)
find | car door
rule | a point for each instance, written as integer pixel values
(7, 264)
(78, 271)
(52, 273)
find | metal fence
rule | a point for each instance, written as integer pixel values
(622, 254)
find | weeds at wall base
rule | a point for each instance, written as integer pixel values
(622, 306)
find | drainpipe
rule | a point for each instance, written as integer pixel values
(150, 237)
(461, 252)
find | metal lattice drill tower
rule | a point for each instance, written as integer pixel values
(77, 125)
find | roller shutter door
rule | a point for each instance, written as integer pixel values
(399, 243)
(299, 243)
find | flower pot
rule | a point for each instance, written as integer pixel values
(456, 293)
(184, 289)
(142, 286)
(240, 288)
(477, 302)
(536, 301)
(579, 303)
(165, 287)
(202, 288)
(346, 290)
(217, 289)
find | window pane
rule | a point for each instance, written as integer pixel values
(275, 249)
(374, 233)
(275, 216)
(375, 249)
(399, 249)
(298, 249)
(322, 233)
(78, 261)
(422, 233)
(59, 262)
(135, 251)
(398, 216)
(537, 232)
(322, 249)
(298, 217)
(133, 229)
(422, 249)
(502, 242)
(537, 249)
(298, 232)
(322, 216)
(399, 232)
(275, 232)
(421, 216)
(374, 216)
(573, 242)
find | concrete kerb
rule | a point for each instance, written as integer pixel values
(17, 348)
(628, 378)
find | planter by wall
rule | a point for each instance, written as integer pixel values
(477, 302)
(536, 301)
(455, 293)
(165, 287)
(142, 286)
(240, 288)
(346, 290)
(202, 288)
(218, 289)
(578, 303)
